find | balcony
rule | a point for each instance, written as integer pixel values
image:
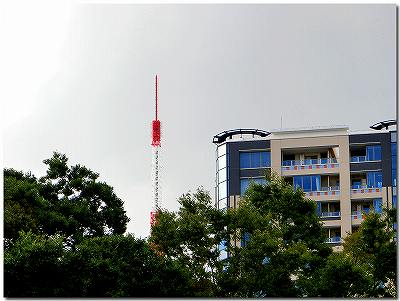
(364, 189)
(329, 190)
(356, 159)
(330, 214)
(309, 164)
(309, 161)
(334, 240)
(365, 153)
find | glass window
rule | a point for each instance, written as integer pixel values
(378, 205)
(393, 136)
(316, 183)
(222, 204)
(377, 152)
(222, 245)
(266, 158)
(221, 150)
(245, 183)
(222, 162)
(222, 190)
(307, 183)
(394, 201)
(394, 178)
(318, 208)
(297, 182)
(255, 159)
(394, 149)
(245, 239)
(244, 160)
(374, 153)
(374, 179)
(222, 175)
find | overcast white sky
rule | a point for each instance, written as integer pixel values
(80, 80)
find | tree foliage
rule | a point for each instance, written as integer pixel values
(374, 248)
(189, 237)
(107, 266)
(63, 238)
(286, 243)
(67, 200)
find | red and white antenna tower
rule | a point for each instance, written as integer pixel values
(156, 147)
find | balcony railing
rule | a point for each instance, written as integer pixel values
(309, 161)
(335, 239)
(329, 188)
(358, 159)
(330, 214)
(365, 188)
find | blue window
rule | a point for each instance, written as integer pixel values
(245, 183)
(307, 183)
(319, 208)
(265, 158)
(255, 159)
(394, 201)
(394, 164)
(374, 179)
(245, 160)
(374, 153)
(245, 239)
(378, 205)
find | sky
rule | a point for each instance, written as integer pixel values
(80, 80)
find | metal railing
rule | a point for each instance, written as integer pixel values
(379, 185)
(360, 213)
(329, 188)
(330, 214)
(358, 158)
(359, 186)
(309, 161)
(335, 239)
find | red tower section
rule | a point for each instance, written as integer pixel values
(156, 125)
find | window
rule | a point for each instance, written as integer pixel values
(394, 201)
(374, 153)
(378, 205)
(319, 208)
(245, 239)
(245, 183)
(374, 179)
(223, 204)
(222, 190)
(222, 162)
(221, 150)
(307, 183)
(222, 175)
(394, 163)
(255, 159)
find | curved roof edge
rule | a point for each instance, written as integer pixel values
(383, 124)
(221, 137)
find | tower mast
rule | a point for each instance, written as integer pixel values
(156, 147)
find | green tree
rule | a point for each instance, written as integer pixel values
(107, 266)
(374, 248)
(189, 237)
(33, 266)
(67, 200)
(21, 203)
(285, 243)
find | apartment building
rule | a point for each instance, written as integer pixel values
(345, 173)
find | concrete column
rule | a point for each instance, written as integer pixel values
(345, 187)
(276, 156)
